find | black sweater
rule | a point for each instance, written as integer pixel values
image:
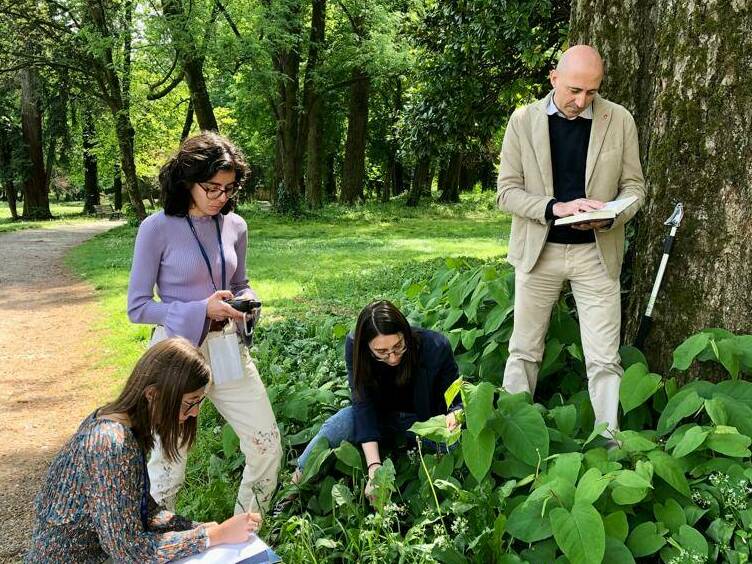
(436, 371)
(569, 145)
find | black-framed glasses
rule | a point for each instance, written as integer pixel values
(214, 191)
(383, 356)
(187, 406)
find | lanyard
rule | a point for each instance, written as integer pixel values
(203, 251)
(145, 493)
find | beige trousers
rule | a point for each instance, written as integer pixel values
(246, 407)
(599, 309)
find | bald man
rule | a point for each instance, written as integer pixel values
(565, 154)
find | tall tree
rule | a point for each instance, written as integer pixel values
(353, 174)
(36, 195)
(684, 71)
(312, 122)
(91, 177)
(190, 52)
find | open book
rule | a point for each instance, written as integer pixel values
(609, 211)
(255, 551)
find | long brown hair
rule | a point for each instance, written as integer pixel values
(173, 367)
(382, 318)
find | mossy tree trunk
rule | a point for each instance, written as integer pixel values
(91, 177)
(684, 69)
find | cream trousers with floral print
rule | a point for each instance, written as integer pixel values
(245, 406)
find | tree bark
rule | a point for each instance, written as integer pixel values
(10, 194)
(188, 123)
(421, 176)
(191, 60)
(314, 161)
(91, 180)
(353, 174)
(110, 87)
(330, 181)
(311, 125)
(683, 69)
(117, 187)
(450, 192)
(36, 196)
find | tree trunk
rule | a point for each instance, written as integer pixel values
(420, 181)
(10, 194)
(288, 190)
(683, 70)
(353, 174)
(313, 188)
(450, 192)
(110, 86)
(188, 123)
(117, 186)
(36, 196)
(191, 60)
(311, 126)
(330, 181)
(91, 181)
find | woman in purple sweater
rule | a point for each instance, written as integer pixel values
(192, 255)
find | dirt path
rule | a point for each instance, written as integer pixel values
(48, 379)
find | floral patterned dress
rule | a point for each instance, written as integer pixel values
(92, 505)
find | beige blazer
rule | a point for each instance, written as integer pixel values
(525, 184)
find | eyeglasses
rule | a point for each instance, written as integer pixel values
(187, 406)
(214, 191)
(383, 356)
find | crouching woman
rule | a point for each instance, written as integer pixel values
(398, 375)
(95, 502)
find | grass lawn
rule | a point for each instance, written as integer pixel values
(63, 212)
(313, 264)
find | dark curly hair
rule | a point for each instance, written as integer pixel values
(199, 158)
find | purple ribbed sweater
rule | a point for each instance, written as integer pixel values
(167, 261)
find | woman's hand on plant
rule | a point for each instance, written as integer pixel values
(235, 529)
(218, 310)
(370, 489)
(451, 421)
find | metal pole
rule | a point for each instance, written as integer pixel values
(647, 319)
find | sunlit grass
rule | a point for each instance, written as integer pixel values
(308, 264)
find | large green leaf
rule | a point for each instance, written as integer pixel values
(691, 440)
(689, 349)
(529, 521)
(349, 455)
(683, 404)
(579, 533)
(591, 486)
(524, 432)
(496, 317)
(478, 402)
(617, 552)
(730, 444)
(566, 466)
(435, 429)
(637, 386)
(644, 540)
(631, 479)
(729, 356)
(670, 514)
(616, 525)
(669, 468)
(478, 452)
(565, 417)
(692, 540)
(631, 355)
(632, 441)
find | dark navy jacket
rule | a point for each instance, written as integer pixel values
(436, 372)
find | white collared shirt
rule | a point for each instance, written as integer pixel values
(551, 109)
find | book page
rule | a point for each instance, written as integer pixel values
(255, 550)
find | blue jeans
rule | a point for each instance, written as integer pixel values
(341, 427)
